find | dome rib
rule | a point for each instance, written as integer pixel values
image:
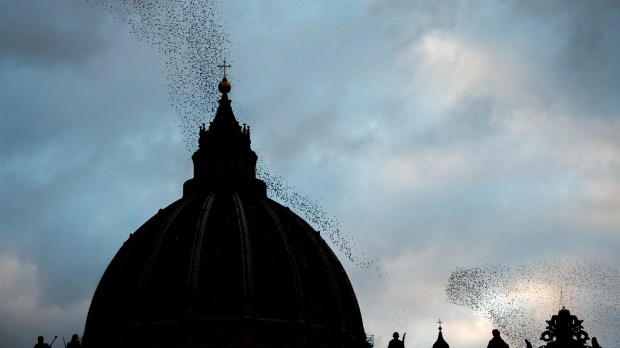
(152, 257)
(246, 252)
(196, 254)
(299, 295)
(330, 271)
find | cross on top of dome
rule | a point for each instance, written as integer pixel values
(224, 86)
(440, 343)
(224, 66)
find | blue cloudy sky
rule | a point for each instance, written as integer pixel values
(441, 134)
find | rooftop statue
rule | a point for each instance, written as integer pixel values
(395, 342)
(41, 342)
(497, 341)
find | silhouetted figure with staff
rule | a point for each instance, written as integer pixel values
(75, 342)
(41, 344)
(497, 341)
(395, 342)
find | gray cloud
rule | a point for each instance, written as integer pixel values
(52, 32)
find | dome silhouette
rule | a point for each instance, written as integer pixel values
(225, 266)
(440, 342)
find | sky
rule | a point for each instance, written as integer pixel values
(441, 135)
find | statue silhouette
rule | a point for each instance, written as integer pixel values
(395, 342)
(528, 344)
(74, 343)
(595, 343)
(40, 343)
(497, 341)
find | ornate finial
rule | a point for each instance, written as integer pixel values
(439, 322)
(224, 86)
(224, 66)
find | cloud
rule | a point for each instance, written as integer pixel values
(52, 32)
(20, 292)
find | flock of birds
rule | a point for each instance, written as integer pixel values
(518, 300)
(193, 39)
(328, 226)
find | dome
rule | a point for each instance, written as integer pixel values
(224, 266)
(440, 343)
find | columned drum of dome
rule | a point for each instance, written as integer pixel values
(224, 266)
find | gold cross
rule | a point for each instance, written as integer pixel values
(224, 66)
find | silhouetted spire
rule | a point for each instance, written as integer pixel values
(224, 159)
(224, 130)
(440, 343)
